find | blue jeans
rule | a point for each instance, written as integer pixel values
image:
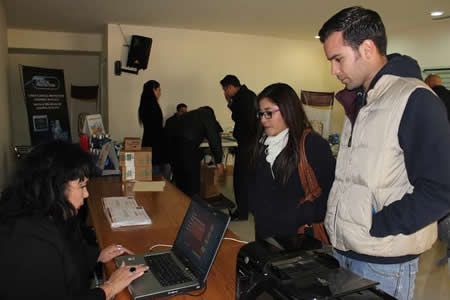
(395, 279)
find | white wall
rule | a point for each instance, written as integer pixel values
(78, 70)
(5, 144)
(49, 40)
(430, 45)
(189, 65)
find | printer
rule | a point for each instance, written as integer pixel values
(297, 267)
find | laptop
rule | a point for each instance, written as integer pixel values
(186, 266)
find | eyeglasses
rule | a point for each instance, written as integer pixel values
(267, 113)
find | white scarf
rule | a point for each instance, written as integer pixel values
(275, 144)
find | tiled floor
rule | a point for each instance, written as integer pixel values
(432, 282)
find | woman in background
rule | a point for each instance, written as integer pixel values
(275, 188)
(44, 255)
(151, 118)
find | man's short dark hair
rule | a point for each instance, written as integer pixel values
(357, 24)
(180, 106)
(230, 80)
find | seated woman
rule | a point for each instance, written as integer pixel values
(43, 253)
(275, 189)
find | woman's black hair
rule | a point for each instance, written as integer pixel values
(39, 185)
(294, 116)
(148, 103)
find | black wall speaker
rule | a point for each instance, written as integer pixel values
(139, 52)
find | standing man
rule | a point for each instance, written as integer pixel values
(393, 172)
(170, 131)
(434, 81)
(241, 102)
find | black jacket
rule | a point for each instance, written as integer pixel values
(42, 263)
(196, 125)
(171, 123)
(154, 135)
(243, 108)
(170, 129)
(444, 94)
(276, 207)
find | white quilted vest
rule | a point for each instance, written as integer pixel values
(371, 174)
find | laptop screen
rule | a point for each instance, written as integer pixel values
(199, 237)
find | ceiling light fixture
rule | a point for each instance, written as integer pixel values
(317, 37)
(436, 13)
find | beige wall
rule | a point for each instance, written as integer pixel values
(430, 45)
(50, 40)
(78, 70)
(189, 65)
(5, 150)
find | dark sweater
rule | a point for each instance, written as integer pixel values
(444, 95)
(196, 125)
(42, 264)
(154, 135)
(276, 207)
(243, 113)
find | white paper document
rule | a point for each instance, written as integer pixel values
(124, 211)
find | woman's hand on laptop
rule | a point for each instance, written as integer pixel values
(121, 278)
(111, 252)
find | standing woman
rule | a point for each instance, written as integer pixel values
(44, 255)
(275, 190)
(151, 118)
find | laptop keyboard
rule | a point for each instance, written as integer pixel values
(166, 270)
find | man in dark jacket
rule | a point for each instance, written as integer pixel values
(169, 128)
(189, 131)
(181, 109)
(241, 102)
(435, 83)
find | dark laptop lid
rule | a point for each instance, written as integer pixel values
(199, 237)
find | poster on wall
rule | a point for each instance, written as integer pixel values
(45, 99)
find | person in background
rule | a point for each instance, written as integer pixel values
(40, 236)
(170, 122)
(275, 188)
(241, 102)
(151, 118)
(434, 81)
(392, 178)
(170, 128)
(190, 131)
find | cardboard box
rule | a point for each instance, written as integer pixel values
(208, 182)
(136, 173)
(132, 144)
(138, 157)
(136, 165)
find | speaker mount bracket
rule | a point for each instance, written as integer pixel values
(118, 69)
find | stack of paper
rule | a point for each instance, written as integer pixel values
(124, 211)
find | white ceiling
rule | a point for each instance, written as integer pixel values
(294, 19)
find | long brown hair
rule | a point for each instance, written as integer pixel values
(294, 116)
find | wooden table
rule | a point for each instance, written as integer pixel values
(166, 209)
